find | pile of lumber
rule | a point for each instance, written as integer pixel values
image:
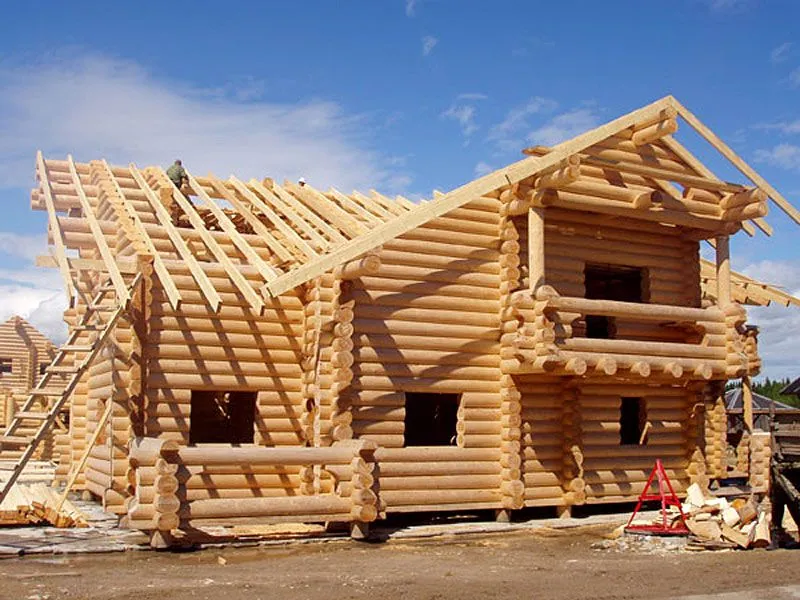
(716, 523)
(37, 504)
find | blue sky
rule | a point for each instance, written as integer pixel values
(404, 96)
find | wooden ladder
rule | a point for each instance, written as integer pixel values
(55, 398)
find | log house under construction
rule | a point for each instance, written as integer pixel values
(536, 337)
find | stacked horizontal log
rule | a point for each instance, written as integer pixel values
(737, 360)
(614, 472)
(743, 453)
(572, 473)
(573, 239)
(759, 464)
(716, 428)
(428, 321)
(543, 442)
(696, 436)
(109, 377)
(342, 352)
(510, 406)
(153, 503)
(172, 485)
(232, 350)
(751, 351)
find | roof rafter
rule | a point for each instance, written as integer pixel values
(164, 218)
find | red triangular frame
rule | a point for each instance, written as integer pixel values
(666, 495)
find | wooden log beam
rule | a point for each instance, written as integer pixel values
(654, 132)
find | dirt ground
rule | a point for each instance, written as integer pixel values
(560, 565)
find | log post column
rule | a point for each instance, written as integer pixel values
(536, 247)
(723, 271)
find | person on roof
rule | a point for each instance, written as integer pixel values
(302, 181)
(177, 174)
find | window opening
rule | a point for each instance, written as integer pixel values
(632, 422)
(222, 417)
(609, 282)
(5, 365)
(431, 419)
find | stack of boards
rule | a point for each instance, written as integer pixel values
(35, 504)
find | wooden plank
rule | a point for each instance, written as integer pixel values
(405, 202)
(266, 271)
(58, 237)
(742, 166)
(211, 295)
(288, 232)
(456, 198)
(158, 264)
(117, 281)
(253, 298)
(286, 209)
(254, 222)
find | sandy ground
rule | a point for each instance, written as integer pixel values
(559, 565)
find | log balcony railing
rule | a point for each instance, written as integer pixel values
(717, 345)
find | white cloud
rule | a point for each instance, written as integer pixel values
(37, 294)
(779, 325)
(482, 169)
(794, 78)
(786, 127)
(411, 7)
(728, 5)
(780, 53)
(93, 106)
(563, 127)
(509, 134)
(472, 96)
(785, 156)
(22, 246)
(428, 44)
(464, 115)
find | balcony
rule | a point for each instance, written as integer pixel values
(649, 340)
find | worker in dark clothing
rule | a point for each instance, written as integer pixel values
(177, 174)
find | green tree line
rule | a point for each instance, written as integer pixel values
(770, 388)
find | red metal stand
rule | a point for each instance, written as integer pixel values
(666, 495)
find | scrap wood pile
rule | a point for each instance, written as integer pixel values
(37, 504)
(716, 523)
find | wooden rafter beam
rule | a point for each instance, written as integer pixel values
(58, 236)
(121, 290)
(339, 219)
(164, 218)
(241, 283)
(678, 149)
(265, 270)
(173, 294)
(257, 224)
(288, 232)
(372, 206)
(287, 209)
(348, 203)
(742, 166)
(332, 233)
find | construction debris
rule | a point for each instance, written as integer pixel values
(716, 523)
(37, 504)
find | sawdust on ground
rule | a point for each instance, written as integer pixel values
(592, 563)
